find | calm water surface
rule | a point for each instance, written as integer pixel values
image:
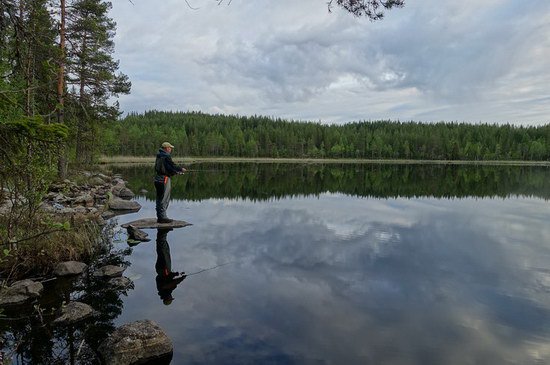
(351, 264)
(346, 278)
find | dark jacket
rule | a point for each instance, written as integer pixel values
(164, 166)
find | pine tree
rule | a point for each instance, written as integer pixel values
(92, 73)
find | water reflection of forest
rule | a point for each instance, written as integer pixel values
(273, 181)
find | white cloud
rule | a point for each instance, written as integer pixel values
(430, 61)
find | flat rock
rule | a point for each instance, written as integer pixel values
(109, 271)
(121, 204)
(20, 291)
(135, 342)
(68, 268)
(74, 312)
(152, 223)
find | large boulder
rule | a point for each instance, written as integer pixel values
(68, 268)
(73, 312)
(122, 191)
(20, 292)
(136, 342)
(109, 271)
(120, 204)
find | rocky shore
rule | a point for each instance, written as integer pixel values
(90, 197)
(99, 197)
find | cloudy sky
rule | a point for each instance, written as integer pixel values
(433, 60)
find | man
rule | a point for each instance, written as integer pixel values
(164, 168)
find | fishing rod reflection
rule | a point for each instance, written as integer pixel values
(167, 280)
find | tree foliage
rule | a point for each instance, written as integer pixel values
(199, 134)
(91, 73)
(372, 9)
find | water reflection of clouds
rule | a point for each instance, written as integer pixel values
(337, 279)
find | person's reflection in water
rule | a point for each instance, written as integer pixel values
(167, 280)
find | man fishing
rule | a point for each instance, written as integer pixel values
(165, 168)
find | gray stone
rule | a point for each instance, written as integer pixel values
(96, 180)
(135, 342)
(126, 193)
(73, 312)
(122, 191)
(137, 234)
(117, 180)
(107, 214)
(143, 191)
(68, 268)
(20, 291)
(121, 204)
(109, 271)
(104, 177)
(80, 210)
(121, 282)
(85, 199)
(92, 211)
(60, 198)
(65, 211)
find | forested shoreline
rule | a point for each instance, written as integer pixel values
(200, 134)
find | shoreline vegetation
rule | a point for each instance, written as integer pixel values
(67, 223)
(108, 160)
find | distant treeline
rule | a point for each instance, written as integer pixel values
(199, 134)
(258, 182)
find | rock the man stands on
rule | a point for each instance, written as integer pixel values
(164, 168)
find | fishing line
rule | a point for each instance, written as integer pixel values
(210, 268)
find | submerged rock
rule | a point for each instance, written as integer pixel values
(109, 271)
(74, 312)
(137, 234)
(136, 342)
(20, 291)
(121, 282)
(68, 268)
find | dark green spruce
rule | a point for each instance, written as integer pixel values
(199, 134)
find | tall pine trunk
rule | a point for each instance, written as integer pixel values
(62, 161)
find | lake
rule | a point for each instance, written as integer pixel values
(344, 264)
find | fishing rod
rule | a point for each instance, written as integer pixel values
(205, 171)
(210, 268)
